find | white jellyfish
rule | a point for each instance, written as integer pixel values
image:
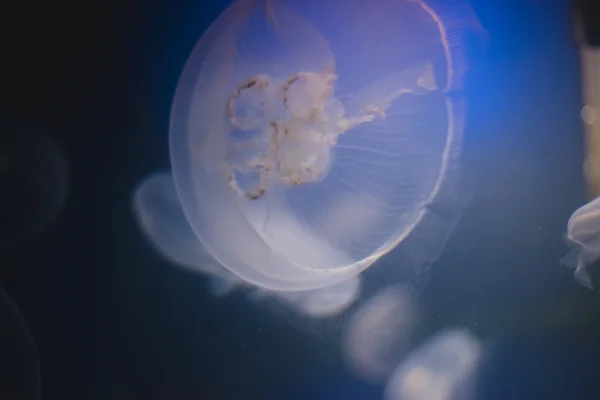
(158, 214)
(442, 368)
(308, 137)
(583, 235)
(161, 220)
(379, 334)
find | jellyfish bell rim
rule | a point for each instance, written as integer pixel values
(182, 161)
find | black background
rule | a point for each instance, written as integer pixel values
(112, 320)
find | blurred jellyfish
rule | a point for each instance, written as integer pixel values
(440, 369)
(319, 303)
(161, 220)
(583, 235)
(378, 334)
(34, 175)
(19, 359)
(309, 137)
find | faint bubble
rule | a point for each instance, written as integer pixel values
(589, 115)
(439, 369)
(378, 334)
(34, 177)
(19, 359)
(589, 169)
(160, 218)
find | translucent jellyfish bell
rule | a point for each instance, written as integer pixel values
(159, 216)
(307, 136)
(583, 235)
(379, 334)
(440, 369)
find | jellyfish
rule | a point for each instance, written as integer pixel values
(160, 218)
(440, 369)
(379, 333)
(309, 138)
(583, 236)
(34, 175)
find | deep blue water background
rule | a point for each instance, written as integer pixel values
(112, 320)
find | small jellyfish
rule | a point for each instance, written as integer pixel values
(159, 215)
(583, 235)
(160, 218)
(378, 335)
(34, 176)
(440, 369)
(309, 137)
